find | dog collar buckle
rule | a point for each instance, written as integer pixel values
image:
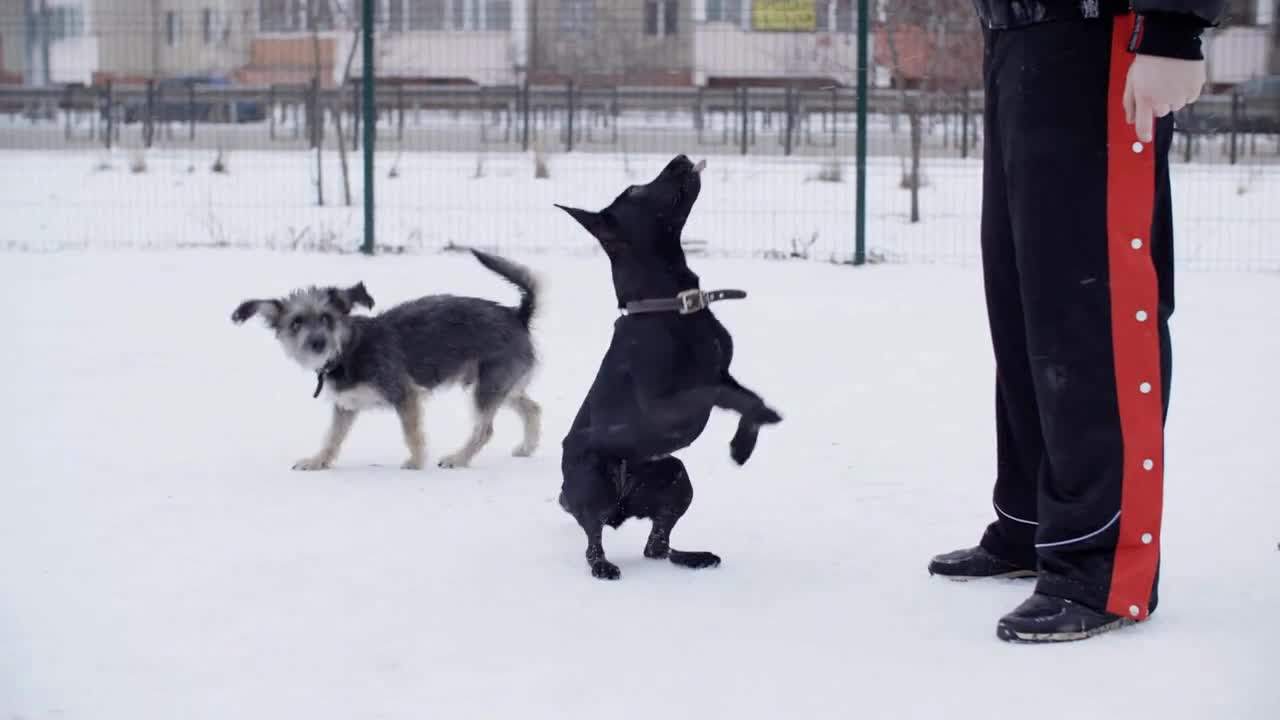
(691, 301)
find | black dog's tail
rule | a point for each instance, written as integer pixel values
(517, 275)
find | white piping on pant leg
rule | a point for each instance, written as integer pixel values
(1015, 519)
(1082, 537)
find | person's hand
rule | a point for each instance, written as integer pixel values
(1157, 86)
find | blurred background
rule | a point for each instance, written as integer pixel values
(237, 123)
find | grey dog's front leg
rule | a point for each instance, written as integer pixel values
(339, 426)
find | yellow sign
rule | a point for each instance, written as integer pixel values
(785, 15)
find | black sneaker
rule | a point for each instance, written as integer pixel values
(1045, 619)
(975, 562)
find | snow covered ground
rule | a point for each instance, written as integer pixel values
(1227, 217)
(159, 560)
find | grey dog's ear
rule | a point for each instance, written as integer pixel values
(270, 310)
(347, 299)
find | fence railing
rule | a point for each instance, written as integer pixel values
(184, 164)
(742, 120)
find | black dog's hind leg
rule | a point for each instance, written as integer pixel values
(752, 411)
(600, 566)
(662, 492)
(590, 495)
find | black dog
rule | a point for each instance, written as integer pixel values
(666, 368)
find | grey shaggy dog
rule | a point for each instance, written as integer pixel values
(393, 359)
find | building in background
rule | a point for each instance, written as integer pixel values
(1245, 47)
(427, 41)
(481, 42)
(775, 42)
(129, 40)
(915, 43)
(295, 41)
(13, 41)
(597, 42)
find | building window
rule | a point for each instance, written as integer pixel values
(278, 15)
(426, 14)
(286, 16)
(844, 16)
(65, 22)
(661, 17)
(323, 15)
(727, 11)
(447, 15)
(208, 31)
(1243, 12)
(834, 15)
(577, 17)
(497, 15)
(172, 29)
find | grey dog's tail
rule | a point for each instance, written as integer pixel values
(517, 275)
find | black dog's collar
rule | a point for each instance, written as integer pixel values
(685, 303)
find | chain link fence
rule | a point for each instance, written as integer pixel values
(237, 123)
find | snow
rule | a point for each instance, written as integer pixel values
(160, 559)
(751, 207)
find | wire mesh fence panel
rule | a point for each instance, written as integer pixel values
(238, 123)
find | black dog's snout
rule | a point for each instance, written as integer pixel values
(316, 344)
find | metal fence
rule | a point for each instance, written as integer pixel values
(180, 162)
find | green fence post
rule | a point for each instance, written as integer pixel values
(366, 39)
(860, 221)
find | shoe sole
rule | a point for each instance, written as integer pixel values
(1012, 636)
(1011, 575)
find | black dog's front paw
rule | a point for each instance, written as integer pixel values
(766, 416)
(695, 560)
(605, 570)
(743, 443)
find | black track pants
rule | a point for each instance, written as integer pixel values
(1077, 250)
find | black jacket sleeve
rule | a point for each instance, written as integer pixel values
(1171, 28)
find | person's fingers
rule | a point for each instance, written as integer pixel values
(1162, 109)
(1144, 119)
(1128, 98)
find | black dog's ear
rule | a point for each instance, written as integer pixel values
(345, 300)
(270, 310)
(595, 223)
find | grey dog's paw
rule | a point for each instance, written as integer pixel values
(311, 464)
(452, 461)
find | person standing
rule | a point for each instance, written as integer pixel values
(1077, 256)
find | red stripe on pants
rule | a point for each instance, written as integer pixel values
(1131, 179)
